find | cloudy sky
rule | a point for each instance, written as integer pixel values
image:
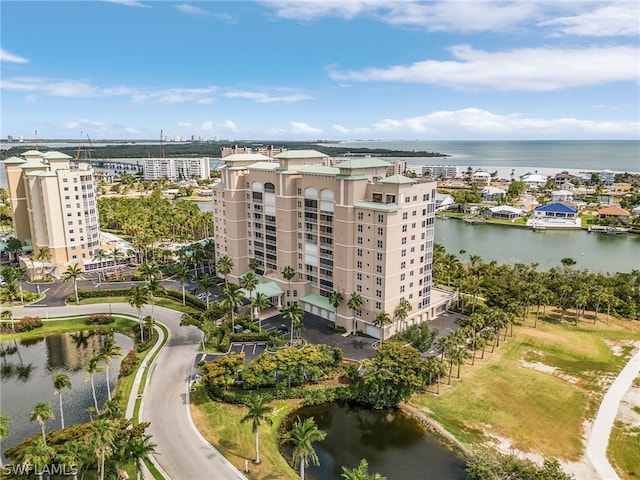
(306, 70)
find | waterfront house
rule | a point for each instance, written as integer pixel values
(493, 194)
(607, 177)
(563, 177)
(561, 196)
(506, 212)
(567, 186)
(444, 201)
(481, 178)
(614, 212)
(533, 180)
(555, 210)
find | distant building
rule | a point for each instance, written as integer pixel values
(176, 168)
(54, 207)
(533, 180)
(444, 201)
(555, 210)
(441, 171)
(607, 177)
(614, 212)
(493, 194)
(269, 150)
(562, 196)
(481, 178)
(506, 212)
(397, 168)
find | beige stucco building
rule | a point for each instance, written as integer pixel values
(54, 206)
(346, 228)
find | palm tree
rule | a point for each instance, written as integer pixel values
(72, 273)
(232, 298)
(253, 264)
(205, 282)
(249, 281)
(294, 313)
(75, 456)
(154, 287)
(20, 275)
(288, 273)
(149, 270)
(38, 454)
(7, 295)
(60, 381)
(92, 369)
(138, 298)
(102, 438)
(336, 299)
(44, 255)
(148, 322)
(181, 272)
(300, 437)
(138, 449)
(100, 255)
(381, 320)
(361, 472)
(355, 304)
(225, 266)
(108, 352)
(41, 413)
(117, 256)
(402, 310)
(258, 414)
(4, 432)
(259, 303)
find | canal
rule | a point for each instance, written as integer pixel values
(596, 252)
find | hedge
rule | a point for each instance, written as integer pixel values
(125, 292)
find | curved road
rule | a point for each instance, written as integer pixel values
(181, 450)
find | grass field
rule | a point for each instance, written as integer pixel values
(121, 324)
(537, 389)
(220, 425)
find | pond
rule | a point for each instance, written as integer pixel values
(27, 368)
(394, 444)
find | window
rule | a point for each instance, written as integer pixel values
(379, 256)
(379, 293)
(380, 243)
(378, 281)
(379, 268)
(358, 264)
(380, 231)
(415, 198)
(360, 216)
(404, 240)
(359, 252)
(360, 228)
(403, 253)
(405, 215)
(359, 288)
(380, 218)
(359, 240)
(402, 277)
(404, 228)
(403, 264)
(425, 197)
(358, 276)
(378, 306)
(401, 288)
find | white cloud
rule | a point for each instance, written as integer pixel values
(301, 127)
(129, 3)
(262, 97)
(530, 69)
(185, 124)
(340, 129)
(474, 121)
(9, 57)
(190, 9)
(619, 18)
(229, 125)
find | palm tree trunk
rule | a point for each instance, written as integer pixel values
(301, 469)
(75, 288)
(102, 465)
(108, 386)
(257, 448)
(61, 411)
(93, 390)
(183, 295)
(44, 435)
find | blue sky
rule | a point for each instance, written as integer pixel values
(306, 70)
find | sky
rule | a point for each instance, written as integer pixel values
(320, 70)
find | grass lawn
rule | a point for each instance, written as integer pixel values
(624, 446)
(160, 302)
(538, 387)
(121, 325)
(220, 425)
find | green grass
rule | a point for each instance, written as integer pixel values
(161, 302)
(220, 425)
(538, 408)
(624, 446)
(121, 325)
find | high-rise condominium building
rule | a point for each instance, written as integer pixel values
(54, 207)
(176, 168)
(346, 228)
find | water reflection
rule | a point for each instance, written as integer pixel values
(394, 444)
(27, 368)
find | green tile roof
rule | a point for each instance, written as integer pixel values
(320, 170)
(246, 157)
(56, 155)
(382, 207)
(300, 154)
(30, 153)
(13, 161)
(362, 163)
(270, 289)
(319, 301)
(398, 179)
(264, 165)
(33, 164)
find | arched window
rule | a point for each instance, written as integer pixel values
(326, 200)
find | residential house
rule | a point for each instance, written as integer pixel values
(561, 196)
(493, 194)
(614, 212)
(444, 201)
(481, 178)
(555, 210)
(506, 212)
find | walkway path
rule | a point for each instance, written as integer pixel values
(181, 452)
(601, 429)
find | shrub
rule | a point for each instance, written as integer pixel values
(99, 319)
(129, 362)
(27, 324)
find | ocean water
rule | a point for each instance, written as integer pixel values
(592, 155)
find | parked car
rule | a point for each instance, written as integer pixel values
(282, 330)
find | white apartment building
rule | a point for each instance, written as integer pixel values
(441, 171)
(346, 228)
(53, 204)
(176, 168)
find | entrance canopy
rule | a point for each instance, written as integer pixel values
(270, 289)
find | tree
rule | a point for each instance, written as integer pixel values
(149, 270)
(92, 369)
(44, 255)
(72, 273)
(205, 282)
(38, 454)
(102, 438)
(138, 298)
(259, 303)
(154, 287)
(381, 320)
(181, 272)
(258, 413)
(402, 310)
(20, 275)
(361, 472)
(294, 314)
(108, 351)
(60, 381)
(138, 448)
(355, 304)
(75, 456)
(117, 256)
(232, 299)
(7, 295)
(99, 256)
(253, 264)
(13, 247)
(41, 413)
(4, 431)
(249, 281)
(288, 273)
(148, 322)
(225, 266)
(301, 437)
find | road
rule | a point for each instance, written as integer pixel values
(181, 450)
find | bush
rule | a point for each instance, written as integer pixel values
(129, 362)
(250, 337)
(99, 319)
(27, 324)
